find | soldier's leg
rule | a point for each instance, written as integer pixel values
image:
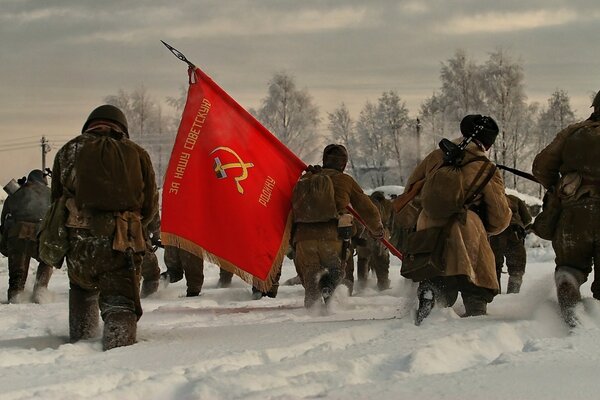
(84, 314)
(475, 298)
(349, 271)
(329, 255)
(574, 247)
(173, 263)
(309, 270)
(381, 264)
(119, 299)
(150, 273)
(362, 266)
(42, 278)
(516, 259)
(498, 245)
(18, 268)
(224, 278)
(193, 267)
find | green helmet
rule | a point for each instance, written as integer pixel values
(107, 112)
(596, 102)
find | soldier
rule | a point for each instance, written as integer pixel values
(510, 244)
(569, 167)
(469, 260)
(318, 247)
(111, 197)
(180, 262)
(150, 268)
(373, 255)
(22, 214)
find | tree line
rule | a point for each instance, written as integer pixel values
(384, 141)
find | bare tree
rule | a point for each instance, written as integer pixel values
(504, 93)
(393, 120)
(342, 131)
(461, 87)
(375, 145)
(290, 114)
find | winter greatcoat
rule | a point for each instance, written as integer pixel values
(571, 165)
(468, 251)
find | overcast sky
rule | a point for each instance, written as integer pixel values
(60, 58)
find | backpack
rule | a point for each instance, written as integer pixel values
(445, 193)
(581, 149)
(108, 175)
(313, 199)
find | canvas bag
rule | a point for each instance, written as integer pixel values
(443, 194)
(313, 199)
(425, 256)
(109, 175)
(545, 222)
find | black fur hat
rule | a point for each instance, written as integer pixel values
(335, 156)
(481, 127)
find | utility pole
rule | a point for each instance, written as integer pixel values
(45, 150)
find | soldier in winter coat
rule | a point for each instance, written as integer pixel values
(22, 214)
(106, 247)
(469, 260)
(510, 244)
(570, 167)
(318, 248)
(374, 255)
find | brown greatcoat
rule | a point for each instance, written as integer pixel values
(468, 250)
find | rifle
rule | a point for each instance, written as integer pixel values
(520, 173)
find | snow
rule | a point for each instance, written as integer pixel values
(223, 345)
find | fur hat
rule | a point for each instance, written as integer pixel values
(335, 156)
(483, 128)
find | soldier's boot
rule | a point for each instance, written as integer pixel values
(567, 291)
(474, 306)
(14, 295)
(120, 328)
(383, 284)
(328, 282)
(349, 284)
(426, 295)
(192, 293)
(42, 278)
(84, 314)
(224, 279)
(149, 287)
(514, 284)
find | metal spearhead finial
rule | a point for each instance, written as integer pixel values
(179, 55)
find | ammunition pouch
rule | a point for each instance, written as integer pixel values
(424, 256)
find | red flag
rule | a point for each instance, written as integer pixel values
(228, 188)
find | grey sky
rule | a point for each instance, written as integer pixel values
(60, 58)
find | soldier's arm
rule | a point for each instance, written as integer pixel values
(547, 163)
(150, 204)
(365, 208)
(498, 211)
(56, 189)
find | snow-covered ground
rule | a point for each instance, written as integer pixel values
(223, 345)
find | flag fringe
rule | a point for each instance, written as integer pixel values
(171, 239)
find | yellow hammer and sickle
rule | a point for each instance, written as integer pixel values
(220, 168)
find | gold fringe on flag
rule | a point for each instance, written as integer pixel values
(171, 239)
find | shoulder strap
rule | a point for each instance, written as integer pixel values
(485, 181)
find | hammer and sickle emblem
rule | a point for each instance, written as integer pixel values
(220, 168)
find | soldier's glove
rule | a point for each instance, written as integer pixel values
(313, 169)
